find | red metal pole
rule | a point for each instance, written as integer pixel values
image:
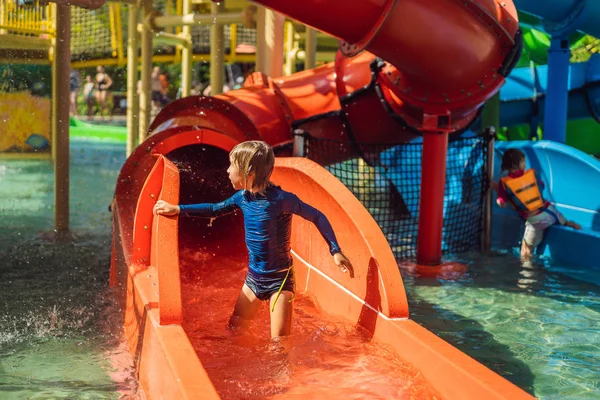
(431, 210)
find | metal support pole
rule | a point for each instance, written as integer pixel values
(61, 68)
(261, 45)
(310, 45)
(232, 42)
(217, 51)
(486, 243)
(557, 94)
(289, 66)
(274, 27)
(431, 210)
(145, 105)
(133, 101)
(170, 39)
(298, 149)
(186, 54)
(188, 19)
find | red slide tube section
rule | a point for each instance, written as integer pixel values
(267, 109)
(440, 57)
(444, 55)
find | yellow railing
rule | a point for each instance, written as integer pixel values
(25, 19)
(99, 33)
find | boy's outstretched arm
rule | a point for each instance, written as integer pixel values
(298, 207)
(201, 209)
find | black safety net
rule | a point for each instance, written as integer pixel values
(386, 178)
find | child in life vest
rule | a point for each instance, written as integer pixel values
(522, 189)
(268, 214)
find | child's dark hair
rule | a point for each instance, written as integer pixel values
(512, 159)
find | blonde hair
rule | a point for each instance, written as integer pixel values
(253, 157)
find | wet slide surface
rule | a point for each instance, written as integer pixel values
(324, 358)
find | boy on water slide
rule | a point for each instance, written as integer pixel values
(268, 214)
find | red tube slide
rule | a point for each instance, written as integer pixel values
(440, 61)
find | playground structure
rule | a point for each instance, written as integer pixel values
(329, 101)
(562, 21)
(35, 33)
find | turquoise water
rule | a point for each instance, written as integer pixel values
(60, 331)
(60, 327)
(535, 325)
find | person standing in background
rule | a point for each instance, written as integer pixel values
(103, 83)
(74, 86)
(157, 90)
(88, 95)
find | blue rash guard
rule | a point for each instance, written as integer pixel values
(268, 224)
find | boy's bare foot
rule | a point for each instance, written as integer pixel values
(573, 225)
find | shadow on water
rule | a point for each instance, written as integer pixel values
(471, 337)
(531, 323)
(48, 280)
(24, 384)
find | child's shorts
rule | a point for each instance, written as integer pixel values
(536, 225)
(265, 285)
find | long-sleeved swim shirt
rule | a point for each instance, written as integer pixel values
(267, 224)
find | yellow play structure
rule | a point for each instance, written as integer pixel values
(136, 34)
(99, 36)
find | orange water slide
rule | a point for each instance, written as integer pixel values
(429, 67)
(147, 267)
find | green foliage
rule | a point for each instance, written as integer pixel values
(18, 77)
(588, 46)
(536, 43)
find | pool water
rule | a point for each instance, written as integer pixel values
(61, 335)
(534, 325)
(60, 327)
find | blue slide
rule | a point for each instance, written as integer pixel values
(572, 180)
(572, 177)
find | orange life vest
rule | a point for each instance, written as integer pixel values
(524, 191)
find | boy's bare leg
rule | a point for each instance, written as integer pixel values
(526, 251)
(281, 317)
(246, 308)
